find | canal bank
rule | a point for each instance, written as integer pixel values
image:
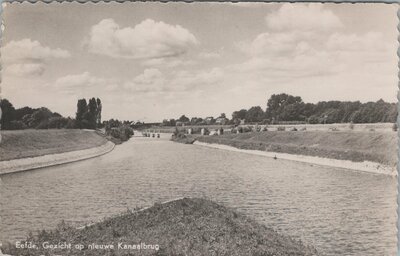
(32, 149)
(179, 227)
(31, 163)
(373, 152)
(365, 166)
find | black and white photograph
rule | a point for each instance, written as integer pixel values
(204, 128)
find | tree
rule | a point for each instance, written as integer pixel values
(241, 114)
(40, 118)
(277, 103)
(8, 114)
(184, 119)
(99, 108)
(82, 109)
(255, 114)
(222, 115)
(21, 112)
(92, 113)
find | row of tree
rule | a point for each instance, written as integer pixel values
(88, 116)
(287, 108)
(281, 108)
(284, 107)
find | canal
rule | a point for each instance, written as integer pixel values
(339, 212)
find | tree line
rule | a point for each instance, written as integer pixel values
(283, 108)
(88, 116)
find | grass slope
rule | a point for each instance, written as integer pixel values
(182, 227)
(380, 147)
(31, 143)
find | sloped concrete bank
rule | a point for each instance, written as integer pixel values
(30, 163)
(365, 166)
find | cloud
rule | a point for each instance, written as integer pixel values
(273, 44)
(148, 39)
(150, 80)
(372, 41)
(73, 83)
(28, 50)
(153, 80)
(184, 80)
(299, 17)
(171, 62)
(209, 55)
(28, 58)
(295, 47)
(25, 69)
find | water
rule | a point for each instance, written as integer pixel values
(339, 212)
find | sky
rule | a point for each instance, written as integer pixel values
(152, 61)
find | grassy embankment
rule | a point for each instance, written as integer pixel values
(184, 138)
(380, 147)
(181, 227)
(31, 143)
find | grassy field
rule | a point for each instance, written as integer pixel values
(380, 147)
(31, 143)
(181, 227)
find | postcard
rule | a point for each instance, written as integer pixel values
(150, 128)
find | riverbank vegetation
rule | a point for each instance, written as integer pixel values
(181, 227)
(117, 131)
(32, 143)
(287, 109)
(88, 116)
(380, 147)
(182, 137)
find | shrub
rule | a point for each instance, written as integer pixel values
(43, 124)
(247, 129)
(123, 132)
(16, 125)
(303, 129)
(71, 124)
(281, 128)
(57, 122)
(293, 129)
(206, 131)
